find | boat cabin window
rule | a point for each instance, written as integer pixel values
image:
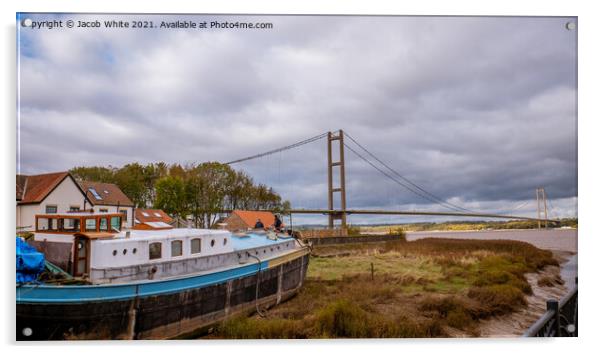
(176, 248)
(154, 250)
(116, 223)
(70, 225)
(45, 224)
(195, 245)
(90, 224)
(104, 224)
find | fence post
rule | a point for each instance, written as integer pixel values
(552, 305)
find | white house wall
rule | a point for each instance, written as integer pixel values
(66, 195)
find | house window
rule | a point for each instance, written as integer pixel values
(74, 209)
(195, 245)
(176, 248)
(157, 215)
(145, 214)
(154, 250)
(90, 224)
(125, 214)
(51, 209)
(104, 210)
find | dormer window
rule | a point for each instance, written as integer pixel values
(145, 214)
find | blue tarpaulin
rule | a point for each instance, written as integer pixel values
(30, 263)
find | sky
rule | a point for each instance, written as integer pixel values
(479, 111)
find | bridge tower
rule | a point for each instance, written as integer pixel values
(342, 215)
(540, 194)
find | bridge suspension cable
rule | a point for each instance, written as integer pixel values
(388, 175)
(412, 187)
(284, 148)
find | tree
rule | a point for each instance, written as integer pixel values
(170, 196)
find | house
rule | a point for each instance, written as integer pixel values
(108, 198)
(49, 193)
(244, 219)
(152, 219)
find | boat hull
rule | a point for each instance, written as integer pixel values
(157, 310)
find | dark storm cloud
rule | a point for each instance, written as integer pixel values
(479, 111)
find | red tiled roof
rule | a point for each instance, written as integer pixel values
(109, 192)
(34, 189)
(140, 217)
(250, 217)
(21, 179)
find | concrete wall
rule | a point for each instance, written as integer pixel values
(352, 239)
(321, 233)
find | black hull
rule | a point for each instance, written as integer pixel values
(161, 316)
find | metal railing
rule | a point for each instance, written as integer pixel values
(560, 319)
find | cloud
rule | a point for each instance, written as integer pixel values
(480, 111)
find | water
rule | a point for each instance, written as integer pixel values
(550, 239)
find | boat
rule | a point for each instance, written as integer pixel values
(151, 284)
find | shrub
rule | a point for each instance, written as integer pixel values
(498, 299)
(398, 232)
(259, 328)
(454, 311)
(342, 319)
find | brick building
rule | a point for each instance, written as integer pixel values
(244, 219)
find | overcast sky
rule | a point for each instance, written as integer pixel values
(478, 111)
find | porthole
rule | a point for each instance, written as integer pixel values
(134, 251)
(125, 251)
(114, 252)
(212, 243)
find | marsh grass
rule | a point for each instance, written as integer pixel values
(419, 289)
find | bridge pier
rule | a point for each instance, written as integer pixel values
(342, 215)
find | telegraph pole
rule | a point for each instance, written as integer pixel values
(342, 215)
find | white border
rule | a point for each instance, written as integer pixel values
(589, 176)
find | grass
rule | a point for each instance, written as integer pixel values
(423, 288)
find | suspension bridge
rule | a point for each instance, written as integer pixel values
(350, 144)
